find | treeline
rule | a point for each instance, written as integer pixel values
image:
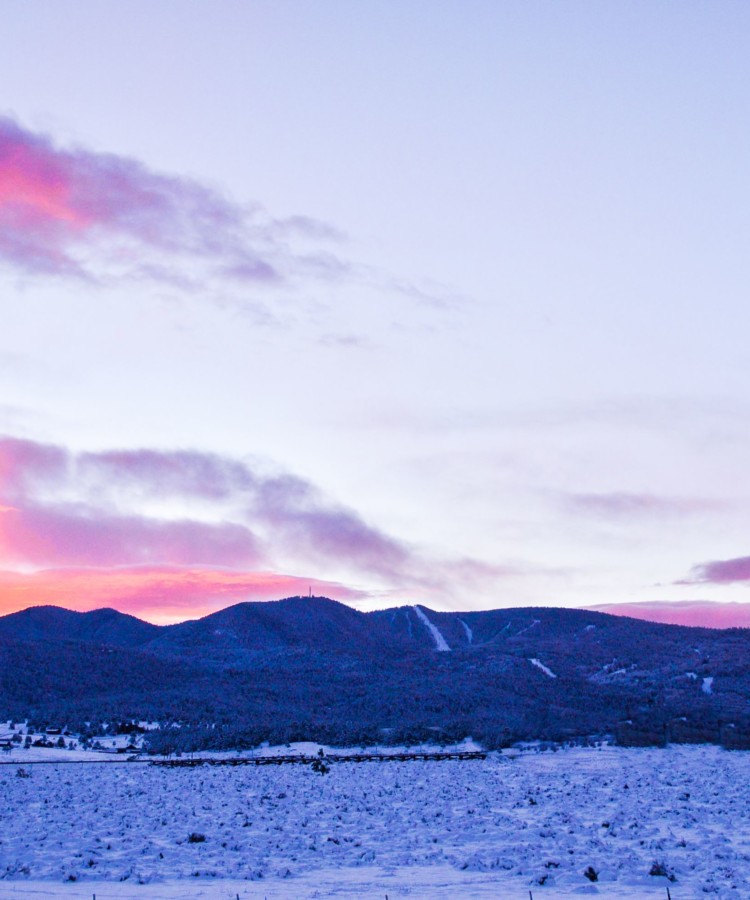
(495, 696)
(301, 696)
(661, 730)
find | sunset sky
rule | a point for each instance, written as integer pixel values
(439, 303)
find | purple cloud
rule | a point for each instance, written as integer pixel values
(167, 473)
(289, 508)
(26, 466)
(76, 535)
(721, 571)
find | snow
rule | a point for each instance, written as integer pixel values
(53, 754)
(500, 827)
(708, 685)
(527, 628)
(609, 672)
(107, 745)
(440, 642)
(469, 631)
(540, 665)
(437, 882)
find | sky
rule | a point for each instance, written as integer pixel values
(438, 303)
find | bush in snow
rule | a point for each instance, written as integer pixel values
(659, 868)
(591, 874)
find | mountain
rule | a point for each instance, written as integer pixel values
(296, 623)
(313, 668)
(575, 642)
(100, 626)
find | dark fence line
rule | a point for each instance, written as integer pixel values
(245, 760)
(308, 760)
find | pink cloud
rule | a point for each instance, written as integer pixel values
(702, 613)
(158, 594)
(72, 211)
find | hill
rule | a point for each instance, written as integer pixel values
(100, 626)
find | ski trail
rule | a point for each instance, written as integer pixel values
(540, 665)
(527, 628)
(708, 685)
(469, 632)
(440, 642)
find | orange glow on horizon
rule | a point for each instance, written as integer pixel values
(159, 595)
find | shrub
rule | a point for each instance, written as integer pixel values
(658, 868)
(591, 874)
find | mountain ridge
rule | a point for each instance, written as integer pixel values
(312, 668)
(106, 624)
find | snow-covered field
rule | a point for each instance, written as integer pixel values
(495, 828)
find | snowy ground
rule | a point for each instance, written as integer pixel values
(73, 752)
(495, 828)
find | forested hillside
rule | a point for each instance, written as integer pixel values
(311, 668)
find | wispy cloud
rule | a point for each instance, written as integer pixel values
(83, 214)
(623, 505)
(76, 213)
